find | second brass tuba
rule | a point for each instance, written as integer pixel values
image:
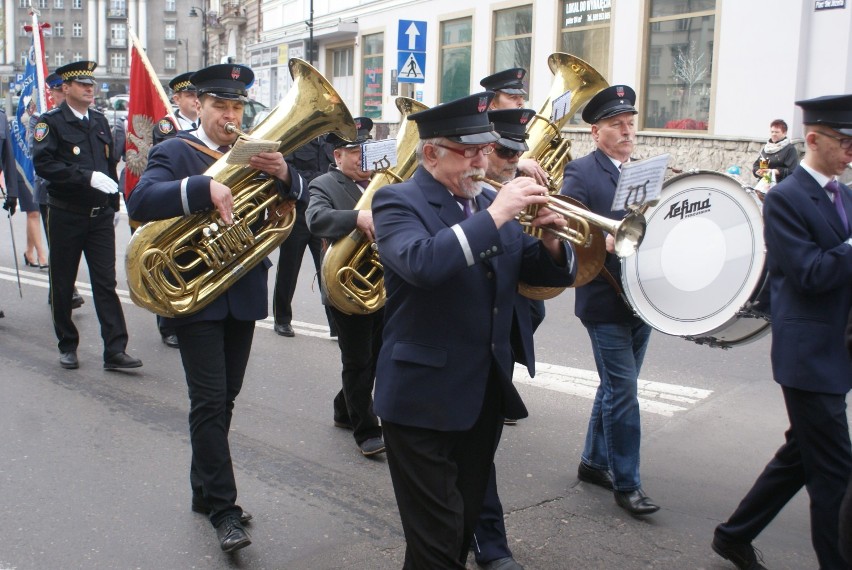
(352, 273)
(176, 267)
(552, 151)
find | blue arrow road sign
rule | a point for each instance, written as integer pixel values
(412, 35)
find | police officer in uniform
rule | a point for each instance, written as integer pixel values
(185, 96)
(73, 153)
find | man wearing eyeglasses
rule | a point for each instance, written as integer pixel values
(453, 255)
(809, 256)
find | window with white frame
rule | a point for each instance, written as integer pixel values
(343, 74)
(679, 68)
(58, 3)
(513, 39)
(59, 59)
(456, 48)
(58, 29)
(77, 30)
(77, 4)
(170, 31)
(171, 60)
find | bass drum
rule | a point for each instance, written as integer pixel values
(702, 262)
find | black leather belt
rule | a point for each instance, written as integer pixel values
(91, 211)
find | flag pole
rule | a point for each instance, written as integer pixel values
(39, 61)
(153, 75)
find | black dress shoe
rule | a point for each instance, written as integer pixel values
(232, 535)
(285, 329)
(344, 423)
(599, 477)
(200, 506)
(170, 340)
(636, 502)
(507, 563)
(372, 446)
(76, 300)
(742, 554)
(69, 360)
(510, 422)
(121, 360)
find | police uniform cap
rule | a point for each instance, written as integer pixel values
(53, 81)
(511, 125)
(610, 102)
(79, 71)
(509, 81)
(833, 111)
(463, 120)
(182, 83)
(363, 125)
(224, 80)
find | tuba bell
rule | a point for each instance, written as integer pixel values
(352, 273)
(176, 267)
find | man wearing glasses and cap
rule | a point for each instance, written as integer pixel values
(331, 216)
(809, 257)
(215, 342)
(73, 152)
(453, 255)
(610, 457)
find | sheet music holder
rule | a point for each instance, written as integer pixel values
(378, 155)
(640, 183)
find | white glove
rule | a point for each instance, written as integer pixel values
(104, 183)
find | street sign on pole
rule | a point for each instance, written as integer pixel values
(411, 59)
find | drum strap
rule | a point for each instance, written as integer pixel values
(615, 285)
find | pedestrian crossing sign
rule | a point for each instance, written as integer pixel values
(412, 67)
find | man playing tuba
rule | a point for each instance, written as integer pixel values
(215, 342)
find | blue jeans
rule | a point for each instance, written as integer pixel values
(614, 434)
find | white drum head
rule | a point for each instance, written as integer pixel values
(702, 256)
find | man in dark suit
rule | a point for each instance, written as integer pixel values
(453, 255)
(331, 215)
(73, 152)
(809, 256)
(311, 160)
(8, 167)
(619, 339)
(215, 342)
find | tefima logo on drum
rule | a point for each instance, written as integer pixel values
(686, 209)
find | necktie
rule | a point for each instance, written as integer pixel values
(465, 204)
(224, 148)
(834, 188)
(86, 122)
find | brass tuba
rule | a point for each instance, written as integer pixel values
(176, 267)
(552, 151)
(352, 273)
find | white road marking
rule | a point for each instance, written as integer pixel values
(654, 397)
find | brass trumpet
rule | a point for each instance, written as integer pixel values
(628, 233)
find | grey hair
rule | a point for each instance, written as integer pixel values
(434, 142)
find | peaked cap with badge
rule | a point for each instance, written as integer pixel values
(79, 71)
(224, 80)
(511, 125)
(834, 111)
(610, 102)
(182, 83)
(463, 120)
(363, 126)
(509, 81)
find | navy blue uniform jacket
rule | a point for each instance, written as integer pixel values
(810, 275)
(592, 180)
(172, 185)
(451, 286)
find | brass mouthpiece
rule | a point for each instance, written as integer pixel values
(494, 183)
(231, 128)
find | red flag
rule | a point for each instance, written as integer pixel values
(147, 106)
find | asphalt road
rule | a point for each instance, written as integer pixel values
(94, 464)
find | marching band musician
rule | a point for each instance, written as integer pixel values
(490, 545)
(331, 215)
(215, 342)
(73, 152)
(453, 256)
(809, 257)
(619, 339)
